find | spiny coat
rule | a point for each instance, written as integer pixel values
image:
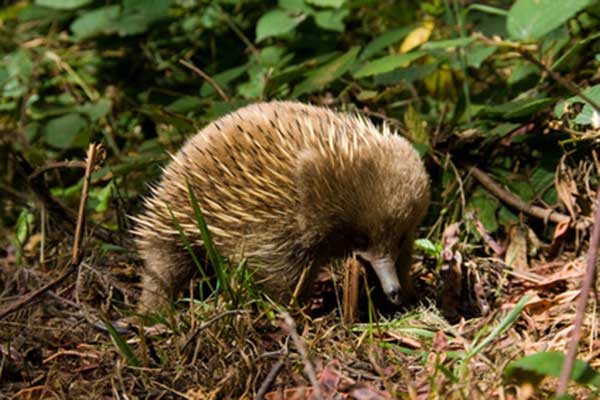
(286, 186)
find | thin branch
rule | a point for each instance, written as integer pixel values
(29, 298)
(570, 86)
(290, 326)
(89, 167)
(543, 213)
(207, 78)
(58, 164)
(524, 51)
(232, 25)
(269, 379)
(586, 287)
(76, 254)
(36, 183)
(186, 342)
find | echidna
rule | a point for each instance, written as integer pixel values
(286, 186)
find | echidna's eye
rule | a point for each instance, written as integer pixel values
(360, 241)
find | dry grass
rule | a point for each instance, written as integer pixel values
(55, 348)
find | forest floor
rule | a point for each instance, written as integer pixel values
(58, 346)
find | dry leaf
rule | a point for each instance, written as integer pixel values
(417, 37)
(516, 252)
(365, 392)
(566, 187)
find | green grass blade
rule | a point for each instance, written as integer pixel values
(188, 246)
(213, 255)
(124, 348)
(501, 327)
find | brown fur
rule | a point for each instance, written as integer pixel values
(284, 185)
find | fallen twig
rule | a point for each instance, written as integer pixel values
(58, 164)
(309, 369)
(351, 288)
(570, 86)
(79, 228)
(207, 78)
(269, 379)
(186, 342)
(499, 250)
(586, 287)
(76, 254)
(36, 183)
(543, 213)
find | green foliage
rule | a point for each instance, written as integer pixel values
(386, 64)
(75, 71)
(469, 83)
(63, 4)
(24, 225)
(282, 21)
(133, 17)
(534, 367)
(124, 348)
(534, 19)
(428, 247)
(213, 255)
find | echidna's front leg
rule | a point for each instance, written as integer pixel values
(167, 270)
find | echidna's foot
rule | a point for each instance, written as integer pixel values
(168, 270)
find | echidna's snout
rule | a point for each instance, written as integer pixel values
(385, 269)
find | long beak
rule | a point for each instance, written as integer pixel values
(385, 268)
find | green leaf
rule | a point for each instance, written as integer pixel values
(502, 130)
(63, 4)
(522, 70)
(296, 6)
(565, 62)
(189, 247)
(213, 255)
(541, 179)
(326, 3)
(67, 131)
(533, 19)
(486, 9)
(9, 12)
(387, 39)
(124, 347)
(97, 110)
(486, 207)
(31, 131)
(23, 226)
(320, 77)
(512, 316)
(428, 247)
(534, 367)
(100, 197)
(477, 54)
(95, 22)
(518, 108)
(276, 23)
(137, 15)
(447, 44)
(408, 75)
(387, 64)
(222, 79)
(185, 104)
(134, 17)
(331, 19)
(587, 116)
(254, 86)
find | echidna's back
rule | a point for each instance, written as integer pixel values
(242, 170)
